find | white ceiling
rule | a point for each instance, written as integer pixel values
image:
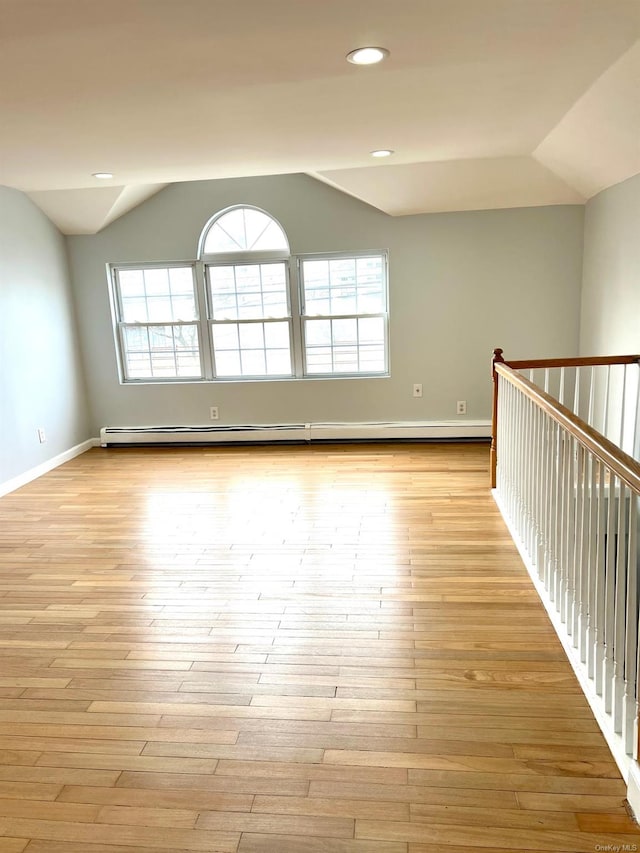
(487, 103)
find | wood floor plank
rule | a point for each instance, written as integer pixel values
(48, 846)
(161, 799)
(324, 649)
(166, 838)
(242, 784)
(483, 836)
(13, 845)
(318, 806)
(441, 795)
(257, 843)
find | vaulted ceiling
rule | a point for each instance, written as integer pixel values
(486, 103)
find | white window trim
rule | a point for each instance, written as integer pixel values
(120, 325)
(205, 321)
(249, 258)
(331, 256)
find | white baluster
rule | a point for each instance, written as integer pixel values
(605, 412)
(610, 597)
(623, 406)
(620, 612)
(636, 420)
(630, 709)
(599, 578)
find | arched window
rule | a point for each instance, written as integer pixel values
(243, 229)
(245, 253)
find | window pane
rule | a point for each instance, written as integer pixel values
(223, 279)
(252, 349)
(318, 301)
(224, 306)
(320, 360)
(248, 291)
(344, 303)
(278, 362)
(181, 280)
(183, 308)
(344, 331)
(249, 306)
(371, 358)
(371, 330)
(341, 286)
(253, 363)
(275, 304)
(248, 278)
(355, 345)
(188, 364)
(157, 295)
(252, 336)
(159, 308)
(228, 364)
(271, 239)
(343, 273)
(245, 229)
(371, 289)
(136, 340)
(161, 351)
(131, 283)
(138, 365)
(134, 310)
(156, 282)
(225, 336)
(316, 273)
(345, 359)
(318, 332)
(276, 335)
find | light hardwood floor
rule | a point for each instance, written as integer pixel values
(285, 650)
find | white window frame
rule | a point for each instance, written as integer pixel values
(248, 259)
(205, 322)
(120, 324)
(384, 315)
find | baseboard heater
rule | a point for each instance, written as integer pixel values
(296, 433)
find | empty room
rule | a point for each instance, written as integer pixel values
(289, 563)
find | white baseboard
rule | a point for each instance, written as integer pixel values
(44, 467)
(633, 788)
(614, 741)
(309, 432)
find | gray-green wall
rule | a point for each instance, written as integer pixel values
(610, 318)
(41, 378)
(460, 284)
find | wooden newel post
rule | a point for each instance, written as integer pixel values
(493, 458)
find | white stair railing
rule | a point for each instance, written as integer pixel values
(571, 500)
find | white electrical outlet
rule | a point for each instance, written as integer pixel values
(213, 413)
(461, 407)
(41, 435)
(417, 389)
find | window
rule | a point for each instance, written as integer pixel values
(244, 229)
(269, 315)
(158, 322)
(348, 296)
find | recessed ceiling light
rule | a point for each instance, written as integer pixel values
(367, 55)
(102, 176)
(382, 152)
